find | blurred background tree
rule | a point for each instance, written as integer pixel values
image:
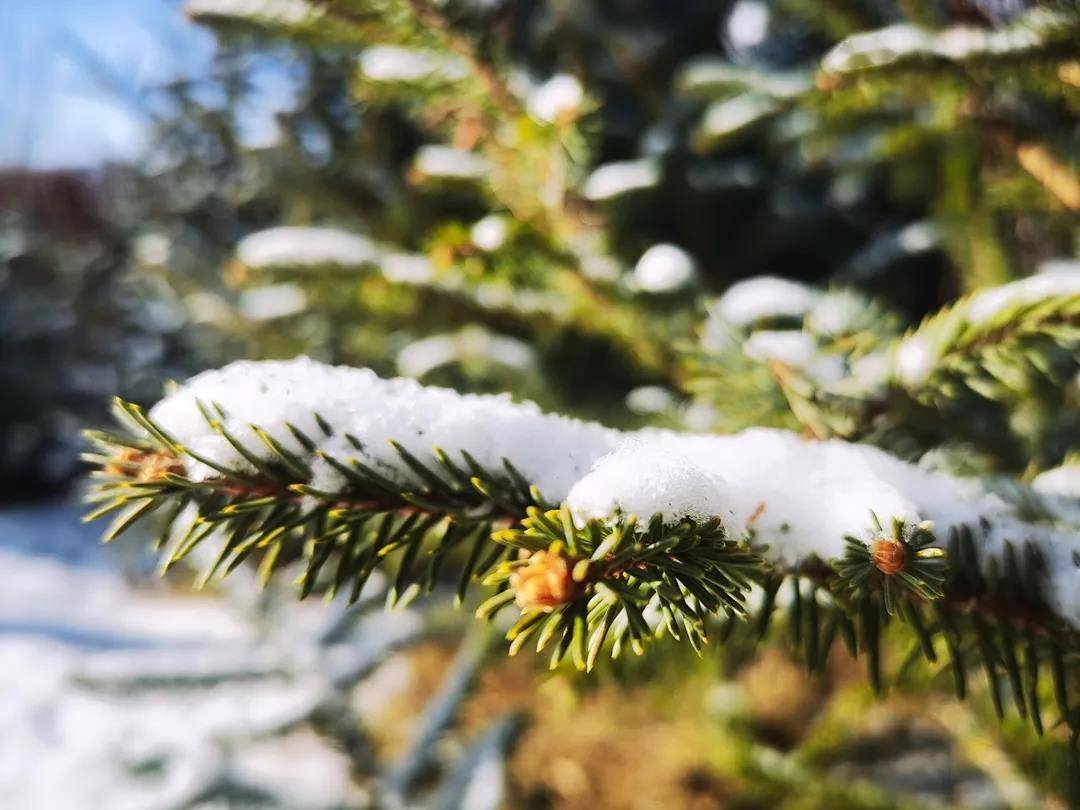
(550, 199)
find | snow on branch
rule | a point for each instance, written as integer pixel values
(801, 498)
(1047, 303)
(905, 45)
(552, 452)
(290, 246)
(279, 12)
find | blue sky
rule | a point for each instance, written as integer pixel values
(76, 71)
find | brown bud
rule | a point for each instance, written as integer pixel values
(143, 465)
(546, 582)
(889, 556)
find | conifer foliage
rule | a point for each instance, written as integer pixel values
(558, 216)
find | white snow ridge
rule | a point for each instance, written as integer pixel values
(800, 497)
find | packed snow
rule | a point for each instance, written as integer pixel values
(356, 401)
(799, 497)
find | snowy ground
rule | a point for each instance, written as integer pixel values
(120, 693)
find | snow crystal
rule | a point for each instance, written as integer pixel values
(299, 246)
(559, 97)
(798, 497)
(664, 268)
(764, 297)
(449, 163)
(392, 63)
(612, 180)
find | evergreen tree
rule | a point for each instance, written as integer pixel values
(559, 201)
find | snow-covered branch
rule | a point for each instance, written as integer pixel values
(797, 499)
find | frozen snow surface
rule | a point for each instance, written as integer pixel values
(800, 497)
(552, 451)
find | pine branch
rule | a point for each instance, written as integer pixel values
(563, 298)
(1041, 34)
(996, 342)
(584, 584)
(435, 20)
(1007, 346)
